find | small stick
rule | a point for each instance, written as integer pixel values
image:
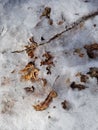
(72, 26)
(18, 51)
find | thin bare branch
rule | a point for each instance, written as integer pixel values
(72, 26)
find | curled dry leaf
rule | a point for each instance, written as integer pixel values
(45, 104)
(77, 86)
(30, 49)
(46, 12)
(29, 89)
(92, 50)
(93, 72)
(30, 72)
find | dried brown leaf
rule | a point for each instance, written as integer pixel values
(77, 86)
(91, 50)
(45, 104)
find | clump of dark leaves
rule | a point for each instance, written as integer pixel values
(77, 86)
(93, 72)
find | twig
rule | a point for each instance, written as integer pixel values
(72, 26)
(18, 51)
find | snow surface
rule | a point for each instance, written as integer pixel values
(18, 20)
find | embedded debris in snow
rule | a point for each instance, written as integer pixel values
(50, 21)
(60, 22)
(48, 68)
(49, 117)
(29, 89)
(92, 50)
(5, 81)
(48, 61)
(46, 12)
(44, 82)
(65, 105)
(77, 86)
(93, 72)
(45, 104)
(83, 77)
(30, 72)
(8, 104)
(78, 51)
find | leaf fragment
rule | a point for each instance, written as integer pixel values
(45, 104)
(46, 12)
(48, 61)
(93, 72)
(77, 86)
(92, 50)
(29, 89)
(83, 77)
